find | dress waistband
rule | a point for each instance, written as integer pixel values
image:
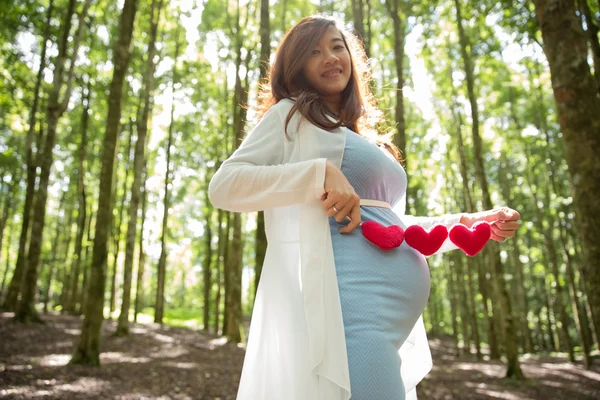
(374, 203)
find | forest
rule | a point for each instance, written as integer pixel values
(115, 115)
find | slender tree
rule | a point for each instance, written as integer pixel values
(11, 300)
(265, 55)
(510, 340)
(138, 161)
(362, 25)
(220, 263)
(54, 260)
(591, 29)
(208, 256)
(87, 350)
(139, 289)
(119, 220)
(233, 325)
(7, 259)
(468, 200)
(577, 105)
(162, 261)
(71, 305)
(56, 108)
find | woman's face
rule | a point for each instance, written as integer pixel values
(328, 68)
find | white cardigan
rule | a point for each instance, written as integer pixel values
(296, 346)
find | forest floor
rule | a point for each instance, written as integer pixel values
(157, 362)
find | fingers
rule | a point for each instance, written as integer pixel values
(355, 219)
(500, 231)
(500, 214)
(507, 214)
(497, 238)
(330, 199)
(339, 205)
(333, 210)
(345, 210)
(507, 226)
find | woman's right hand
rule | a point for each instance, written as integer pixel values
(340, 199)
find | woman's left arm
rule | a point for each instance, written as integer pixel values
(504, 221)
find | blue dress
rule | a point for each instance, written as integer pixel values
(382, 293)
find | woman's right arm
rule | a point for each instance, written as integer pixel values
(254, 178)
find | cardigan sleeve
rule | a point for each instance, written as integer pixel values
(253, 178)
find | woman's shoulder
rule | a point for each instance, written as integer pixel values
(280, 111)
(282, 107)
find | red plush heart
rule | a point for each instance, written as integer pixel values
(382, 237)
(471, 241)
(426, 242)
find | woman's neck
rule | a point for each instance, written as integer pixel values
(333, 102)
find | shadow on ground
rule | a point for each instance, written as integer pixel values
(157, 362)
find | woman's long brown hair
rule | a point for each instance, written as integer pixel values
(287, 81)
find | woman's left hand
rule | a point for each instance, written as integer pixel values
(504, 221)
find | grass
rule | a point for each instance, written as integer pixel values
(180, 317)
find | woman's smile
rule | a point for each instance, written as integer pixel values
(332, 73)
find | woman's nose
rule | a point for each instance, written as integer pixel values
(330, 58)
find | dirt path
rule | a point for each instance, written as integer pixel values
(176, 363)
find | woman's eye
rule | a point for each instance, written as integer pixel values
(315, 52)
(338, 47)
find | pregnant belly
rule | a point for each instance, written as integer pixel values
(382, 291)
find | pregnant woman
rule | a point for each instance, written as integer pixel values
(335, 317)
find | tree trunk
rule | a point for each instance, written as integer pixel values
(399, 39)
(522, 296)
(66, 258)
(14, 289)
(592, 35)
(358, 12)
(521, 305)
(463, 305)
(162, 262)
(7, 260)
(71, 305)
(7, 212)
(550, 313)
(208, 255)
(510, 340)
(265, 54)
(470, 208)
(56, 107)
(220, 252)
(87, 350)
(481, 273)
(451, 282)
(226, 265)
(541, 294)
(138, 162)
(234, 268)
(86, 269)
(57, 257)
(580, 317)
(117, 226)
(139, 289)
(206, 268)
(550, 257)
(578, 312)
(52, 261)
(577, 105)
(234, 298)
